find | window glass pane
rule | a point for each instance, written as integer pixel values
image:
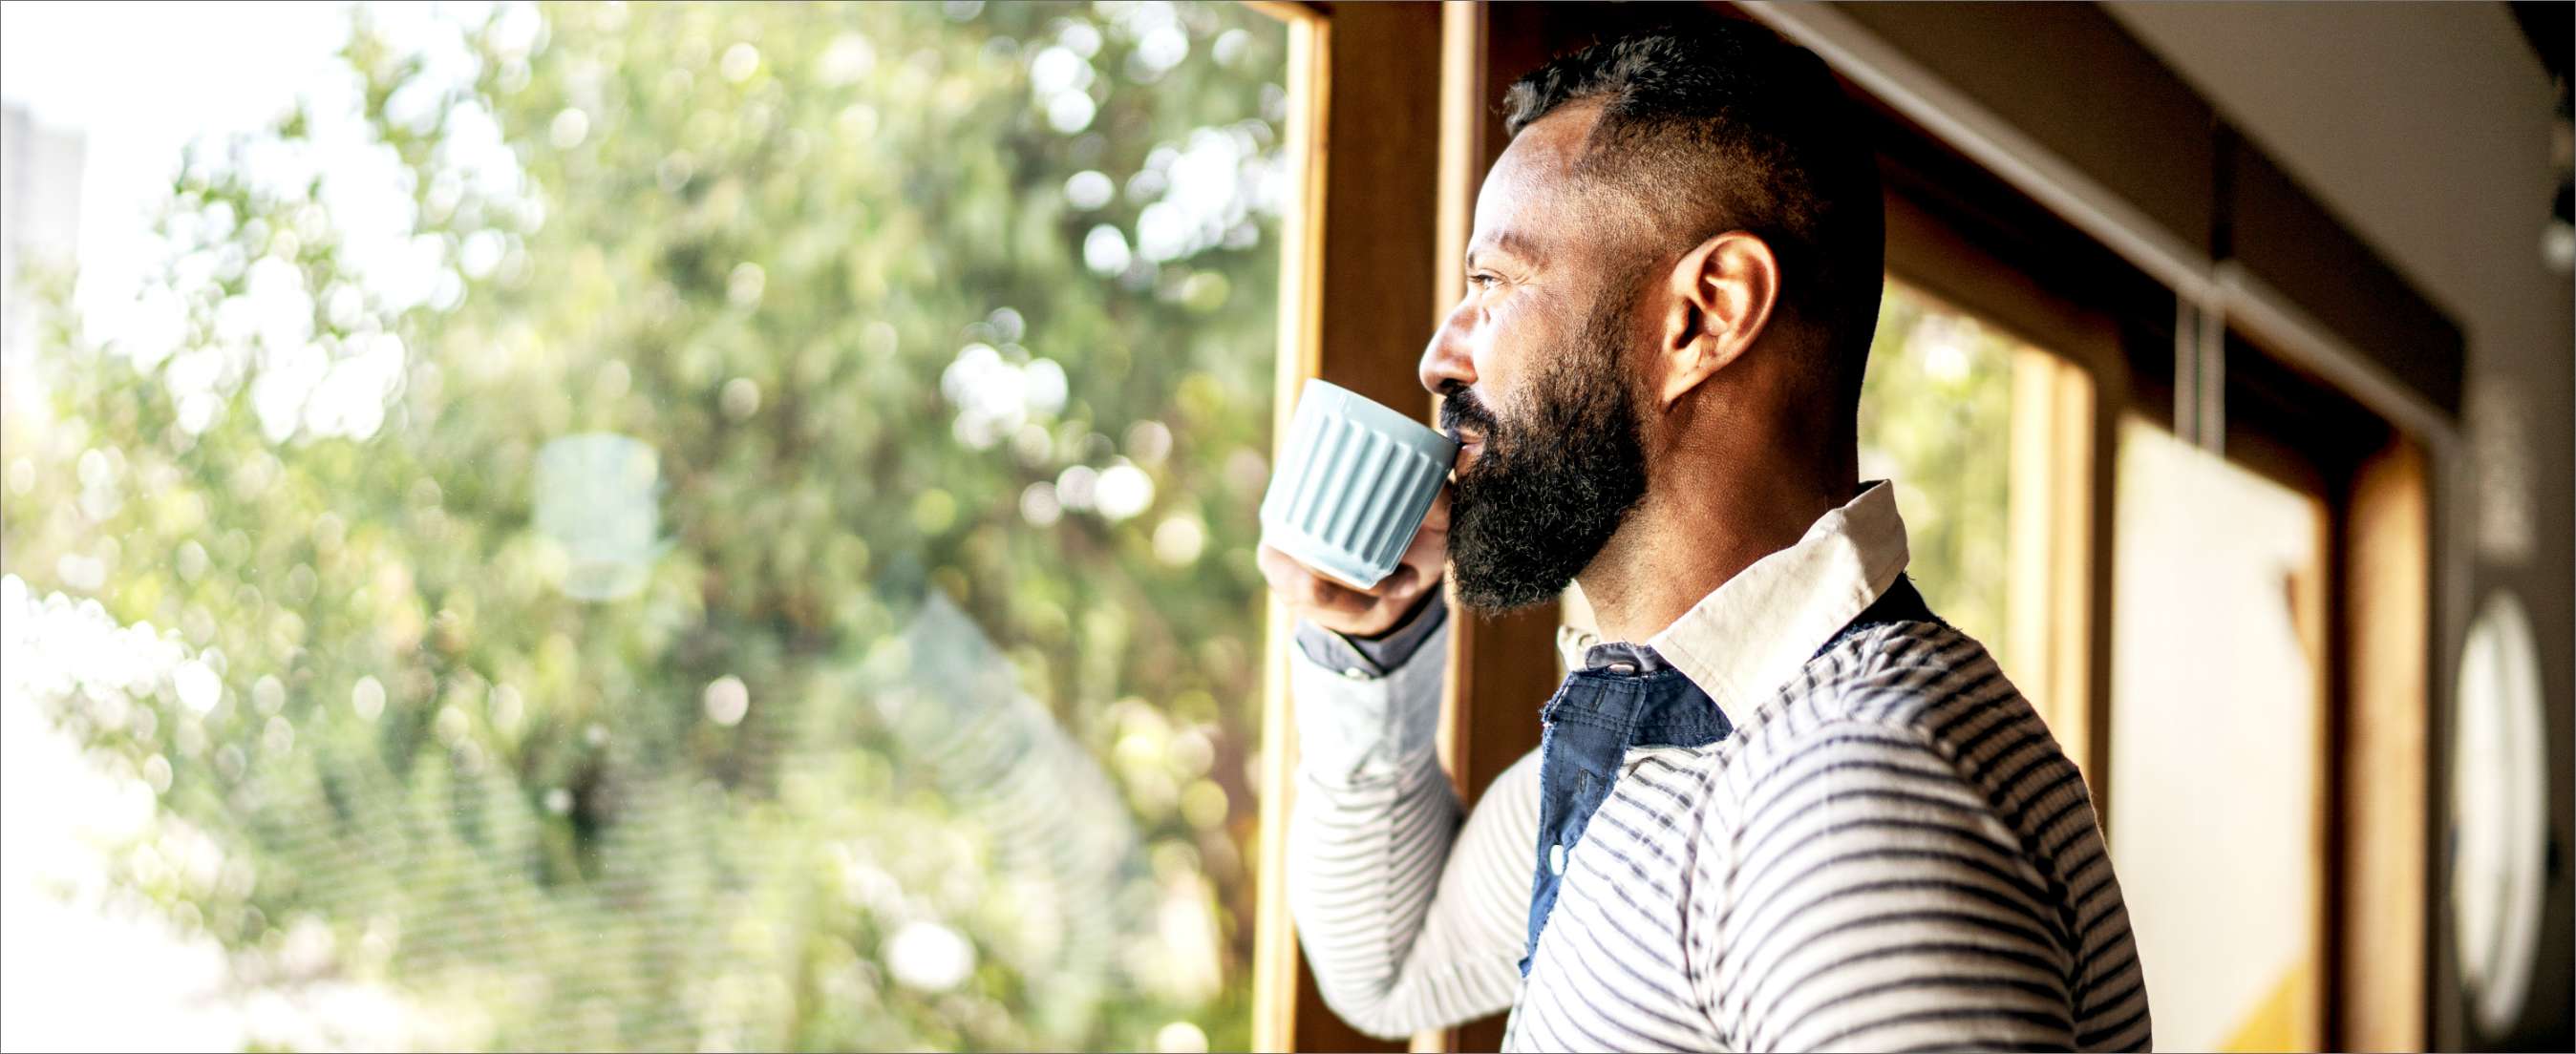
(1936, 418)
(678, 526)
(2217, 741)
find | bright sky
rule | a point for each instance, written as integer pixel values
(140, 84)
(138, 81)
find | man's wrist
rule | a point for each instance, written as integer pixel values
(1368, 658)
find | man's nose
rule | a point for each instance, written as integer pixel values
(1446, 360)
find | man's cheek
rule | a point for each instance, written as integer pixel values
(1502, 350)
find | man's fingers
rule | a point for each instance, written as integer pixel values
(1430, 547)
(1278, 568)
(1286, 576)
(1402, 583)
(1329, 595)
(1428, 544)
(1304, 588)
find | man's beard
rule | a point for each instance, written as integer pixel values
(1552, 483)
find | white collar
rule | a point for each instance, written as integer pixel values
(1751, 634)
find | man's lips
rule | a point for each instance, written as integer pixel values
(1471, 443)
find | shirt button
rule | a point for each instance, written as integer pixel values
(1356, 674)
(1556, 859)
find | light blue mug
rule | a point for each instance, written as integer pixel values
(1354, 483)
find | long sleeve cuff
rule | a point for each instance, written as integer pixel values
(1356, 726)
(1366, 658)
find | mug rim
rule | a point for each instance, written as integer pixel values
(1387, 419)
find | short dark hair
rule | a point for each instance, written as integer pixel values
(1724, 126)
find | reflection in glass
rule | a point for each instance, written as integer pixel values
(597, 501)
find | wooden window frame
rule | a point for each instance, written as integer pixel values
(1376, 227)
(2069, 389)
(2381, 913)
(1356, 301)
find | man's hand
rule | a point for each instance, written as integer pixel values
(1325, 602)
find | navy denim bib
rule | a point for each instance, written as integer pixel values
(1601, 713)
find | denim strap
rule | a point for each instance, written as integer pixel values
(1599, 714)
(1591, 723)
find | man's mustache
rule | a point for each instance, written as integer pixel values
(1460, 408)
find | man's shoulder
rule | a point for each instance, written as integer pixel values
(1919, 676)
(1920, 688)
(1917, 702)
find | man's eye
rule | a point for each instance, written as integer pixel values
(1480, 280)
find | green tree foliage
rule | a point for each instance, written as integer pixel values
(1936, 418)
(915, 361)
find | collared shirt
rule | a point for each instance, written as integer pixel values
(1886, 850)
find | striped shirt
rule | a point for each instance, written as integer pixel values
(1888, 852)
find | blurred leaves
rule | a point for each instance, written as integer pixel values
(833, 267)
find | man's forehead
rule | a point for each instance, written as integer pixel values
(1560, 136)
(1530, 192)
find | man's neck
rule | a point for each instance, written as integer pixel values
(1684, 542)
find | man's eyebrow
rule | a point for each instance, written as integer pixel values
(1505, 242)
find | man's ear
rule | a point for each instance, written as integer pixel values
(1721, 292)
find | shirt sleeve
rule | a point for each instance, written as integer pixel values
(1378, 656)
(1411, 912)
(1872, 899)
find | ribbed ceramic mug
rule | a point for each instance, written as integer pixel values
(1355, 481)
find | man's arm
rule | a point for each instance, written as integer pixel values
(1872, 900)
(1409, 919)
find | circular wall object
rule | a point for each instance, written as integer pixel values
(2499, 813)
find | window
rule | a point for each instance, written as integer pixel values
(1987, 438)
(1936, 420)
(683, 526)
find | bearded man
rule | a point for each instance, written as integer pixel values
(1778, 805)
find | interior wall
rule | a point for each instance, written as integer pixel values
(2425, 127)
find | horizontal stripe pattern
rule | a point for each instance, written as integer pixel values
(1890, 854)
